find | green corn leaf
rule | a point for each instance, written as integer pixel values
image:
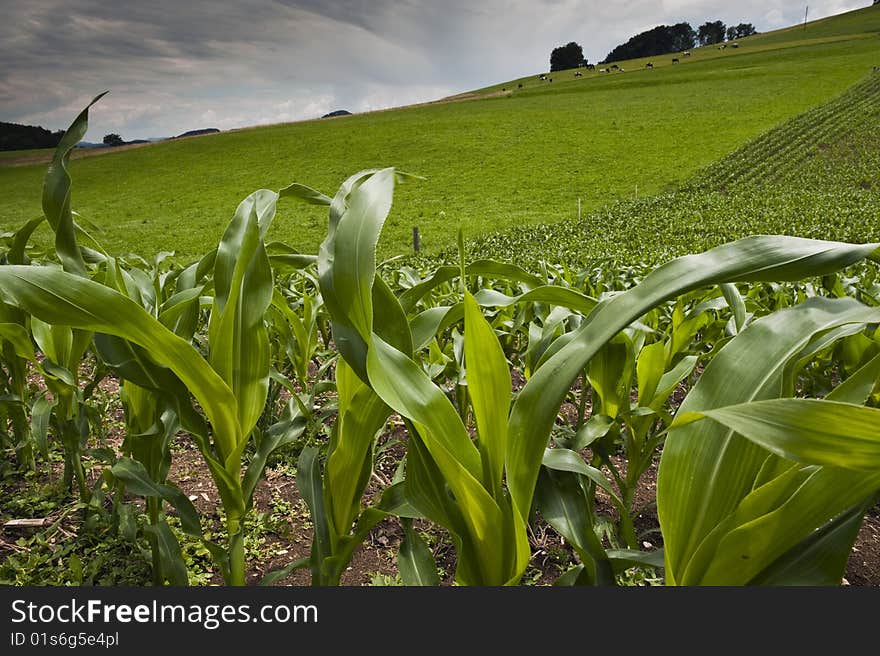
(737, 304)
(41, 413)
(757, 541)
(361, 415)
(810, 431)
(239, 342)
(56, 194)
(821, 558)
(171, 558)
(426, 491)
(489, 388)
(16, 254)
(278, 574)
(750, 259)
(308, 482)
(137, 480)
(19, 338)
(403, 385)
(284, 432)
(563, 503)
(550, 294)
(650, 368)
(595, 428)
(857, 388)
(623, 559)
(305, 194)
(566, 460)
(56, 297)
(414, 560)
(357, 234)
(486, 268)
(707, 472)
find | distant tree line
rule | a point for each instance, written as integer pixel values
(661, 40)
(27, 137)
(658, 41)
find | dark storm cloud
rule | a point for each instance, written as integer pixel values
(173, 66)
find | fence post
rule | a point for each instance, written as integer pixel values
(416, 239)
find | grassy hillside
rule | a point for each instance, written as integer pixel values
(510, 159)
(818, 176)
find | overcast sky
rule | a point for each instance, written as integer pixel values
(173, 66)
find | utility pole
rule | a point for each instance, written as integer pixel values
(807, 11)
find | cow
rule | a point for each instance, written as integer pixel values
(603, 70)
(649, 65)
(549, 79)
(675, 60)
(578, 74)
(519, 86)
(614, 67)
(687, 53)
(591, 67)
(542, 77)
(620, 70)
(734, 45)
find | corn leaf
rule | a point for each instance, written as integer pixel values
(750, 259)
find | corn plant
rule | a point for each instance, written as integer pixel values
(756, 487)
(230, 385)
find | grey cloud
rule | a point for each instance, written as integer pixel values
(173, 65)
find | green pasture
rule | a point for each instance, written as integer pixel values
(817, 176)
(500, 162)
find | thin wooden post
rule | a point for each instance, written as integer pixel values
(579, 208)
(416, 239)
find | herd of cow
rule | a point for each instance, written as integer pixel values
(614, 67)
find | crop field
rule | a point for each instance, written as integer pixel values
(595, 139)
(817, 175)
(677, 389)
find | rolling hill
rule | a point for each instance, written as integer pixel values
(508, 157)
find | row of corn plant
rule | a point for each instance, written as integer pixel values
(214, 349)
(482, 490)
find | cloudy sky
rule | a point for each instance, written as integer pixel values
(173, 66)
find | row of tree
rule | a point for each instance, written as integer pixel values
(27, 137)
(666, 39)
(661, 40)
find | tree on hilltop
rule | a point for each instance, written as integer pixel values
(711, 33)
(112, 139)
(571, 55)
(743, 30)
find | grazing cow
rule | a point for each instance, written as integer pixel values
(649, 65)
(542, 77)
(620, 69)
(722, 47)
(614, 67)
(687, 53)
(519, 86)
(675, 60)
(578, 74)
(591, 67)
(549, 79)
(734, 45)
(603, 70)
